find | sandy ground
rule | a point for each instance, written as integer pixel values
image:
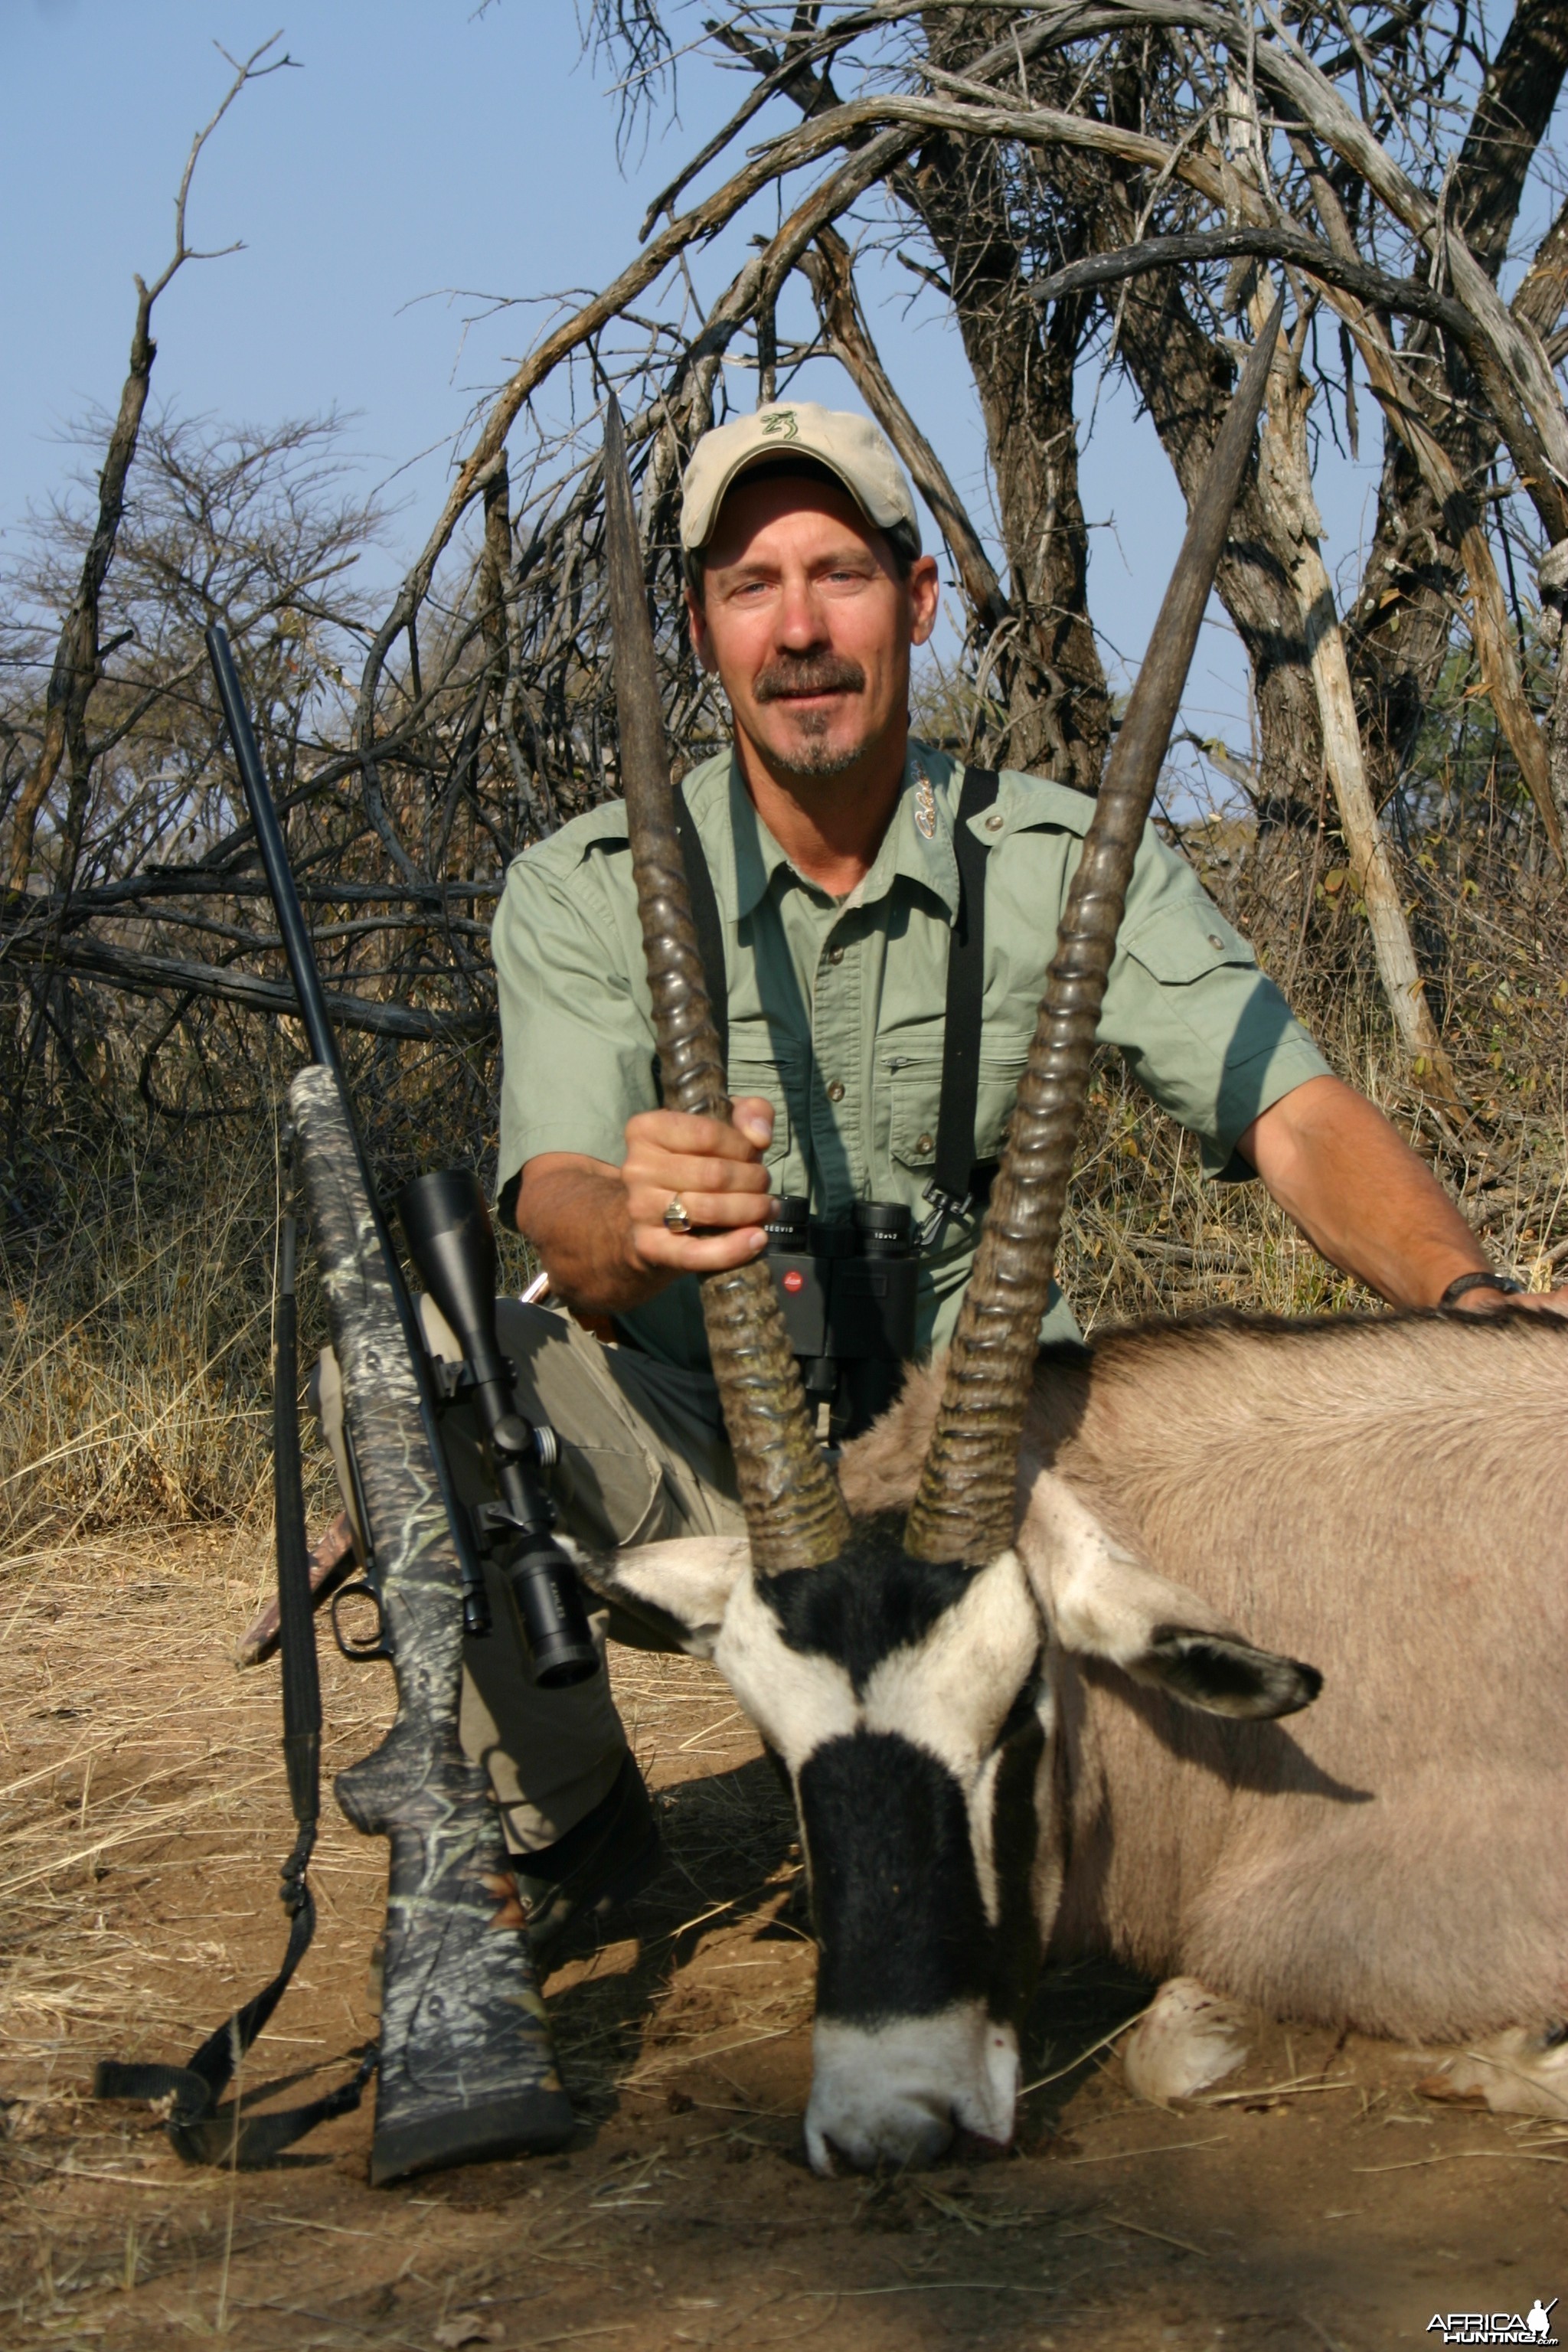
(1318, 2200)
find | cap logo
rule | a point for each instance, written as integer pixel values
(782, 425)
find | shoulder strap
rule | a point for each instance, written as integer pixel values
(202, 2128)
(705, 920)
(952, 1178)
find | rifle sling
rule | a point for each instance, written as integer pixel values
(202, 2129)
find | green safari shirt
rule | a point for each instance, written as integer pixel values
(837, 1005)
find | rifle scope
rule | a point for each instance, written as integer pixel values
(453, 1246)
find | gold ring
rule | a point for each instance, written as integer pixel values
(675, 1217)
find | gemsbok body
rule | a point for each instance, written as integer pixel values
(1055, 1754)
(1034, 1659)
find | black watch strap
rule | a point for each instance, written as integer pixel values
(1484, 1279)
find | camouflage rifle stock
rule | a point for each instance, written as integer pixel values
(466, 2071)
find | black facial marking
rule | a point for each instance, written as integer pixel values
(1015, 1838)
(871, 1600)
(1023, 1718)
(902, 1929)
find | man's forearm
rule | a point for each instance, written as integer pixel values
(1359, 1193)
(578, 1221)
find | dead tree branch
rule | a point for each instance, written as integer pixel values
(79, 656)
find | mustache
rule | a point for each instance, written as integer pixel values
(811, 674)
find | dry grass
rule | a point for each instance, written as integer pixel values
(142, 1818)
(135, 1338)
(1148, 1234)
(134, 1345)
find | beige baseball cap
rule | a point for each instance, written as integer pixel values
(851, 447)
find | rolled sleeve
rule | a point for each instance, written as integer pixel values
(576, 1045)
(1209, 1035)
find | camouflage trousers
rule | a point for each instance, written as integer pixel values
(643, 1458)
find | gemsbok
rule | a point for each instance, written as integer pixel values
(1000, 1654)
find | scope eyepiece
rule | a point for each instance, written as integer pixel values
(549, 1603)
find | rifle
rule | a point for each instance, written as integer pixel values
(466, 2068)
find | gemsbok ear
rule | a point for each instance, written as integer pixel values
(1101, 1601)
(678, 1591)
(1223, 1674)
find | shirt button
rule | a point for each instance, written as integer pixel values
(1216, 940)
(994, 822)
(923, 1143)
(835, 1091)
(836, 955)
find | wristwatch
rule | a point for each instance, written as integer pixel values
(1484, 1279)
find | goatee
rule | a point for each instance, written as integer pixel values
(783, 680)
(817, 759)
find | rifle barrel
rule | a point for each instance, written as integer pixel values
(275, 864)
(301, 956)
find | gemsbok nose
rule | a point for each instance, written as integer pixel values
(897, 2093)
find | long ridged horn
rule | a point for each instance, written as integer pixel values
(794, 1515)
(965, 1508)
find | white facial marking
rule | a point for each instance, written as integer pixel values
(689, 1579)
(982, 1800)
(951, 1692)
(1101, 1601)
(797, 1701)
(895, 2094)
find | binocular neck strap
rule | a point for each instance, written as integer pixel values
(953, 1179)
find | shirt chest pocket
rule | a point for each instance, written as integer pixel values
(914, 1096)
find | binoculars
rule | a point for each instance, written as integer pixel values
(453, 1246)
(847, 1289)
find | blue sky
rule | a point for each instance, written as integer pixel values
(422, 148)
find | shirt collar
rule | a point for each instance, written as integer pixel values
(743, 856)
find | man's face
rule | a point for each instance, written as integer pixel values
(809, 627)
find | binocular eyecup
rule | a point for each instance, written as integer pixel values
(873, 1229)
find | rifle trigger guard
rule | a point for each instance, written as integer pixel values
(377, 1646)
